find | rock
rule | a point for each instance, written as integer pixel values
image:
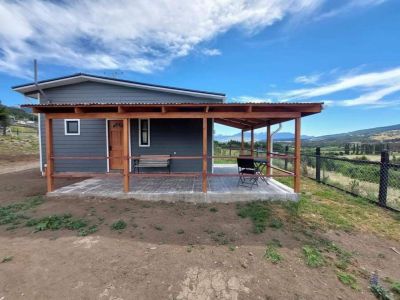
(244, 263)
(251, 254)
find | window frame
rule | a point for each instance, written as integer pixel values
(66, 126)
(140, 133)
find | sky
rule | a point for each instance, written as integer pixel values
(342, 53)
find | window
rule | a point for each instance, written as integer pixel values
(72, 127)
(144, 132)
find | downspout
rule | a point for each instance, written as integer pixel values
(272, 140)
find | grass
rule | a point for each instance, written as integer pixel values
(258, 212)
(313, 257)
(14, 213)
(326, 208)
(118, 225)
(395, 287)
(86, 231)
(158, 227)
(271, 252)
(6, 259)
(347, 279)
(56, 222)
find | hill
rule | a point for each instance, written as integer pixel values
(376, 134)
(258, 136)
(371, 135)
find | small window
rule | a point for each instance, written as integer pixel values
(144, 132)
(72, 127)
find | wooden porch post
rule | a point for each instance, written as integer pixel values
(204, 171)
(297, 150)
(268, 149)
(49, 154)
(125, 144)
(252, 142)
(242, 144)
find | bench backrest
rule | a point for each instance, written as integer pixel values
(155, 157)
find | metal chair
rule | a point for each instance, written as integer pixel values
(246, 167)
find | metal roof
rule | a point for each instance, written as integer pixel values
(29, 87)
(172, 103)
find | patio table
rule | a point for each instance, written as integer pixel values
(261, 164)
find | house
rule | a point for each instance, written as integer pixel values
(100, 125)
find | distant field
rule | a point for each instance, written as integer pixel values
(23, 144)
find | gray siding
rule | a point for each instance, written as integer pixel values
(90, 142)
(103, 93)
(180, 137)
(183, 136)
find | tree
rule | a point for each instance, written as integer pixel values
(4, 118)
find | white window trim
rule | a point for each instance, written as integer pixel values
(140, 131)
(65, 127)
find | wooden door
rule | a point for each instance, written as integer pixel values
(115, 144)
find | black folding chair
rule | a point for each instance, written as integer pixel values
(247, 172)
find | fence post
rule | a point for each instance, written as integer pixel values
(383, 178)
(318, 164)
(286, 153)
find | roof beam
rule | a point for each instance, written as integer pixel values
(177, 115)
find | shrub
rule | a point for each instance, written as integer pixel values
(313, 257)
(118, 225)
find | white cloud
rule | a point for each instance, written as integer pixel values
(142, 36)
(310, 79)
(211, 52)
(250, 99)
(372, 88)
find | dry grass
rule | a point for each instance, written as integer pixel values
(324, 207)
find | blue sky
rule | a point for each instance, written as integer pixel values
(345, 53)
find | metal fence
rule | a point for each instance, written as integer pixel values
(377, 181)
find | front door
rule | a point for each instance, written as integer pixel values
(115, 133)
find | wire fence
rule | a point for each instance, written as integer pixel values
(377, 181)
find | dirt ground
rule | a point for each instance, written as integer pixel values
(172, 251)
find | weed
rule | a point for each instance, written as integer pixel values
(11, 214)
(158, 227)
(395, 287)
(276, 243)
(189, 248)
(276, 223)
(54, 222)
(213, 209)
(180, 231)
(272, 254)
(118, 225)
(12, 227)
(381, 255)
(258, 212)
(6, 259)
(75, 224)
(380, 292)
(313, 256)
(232, 248)
(86, 231)
(347, 279)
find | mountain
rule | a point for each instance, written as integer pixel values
(258, 136)
(376, 134)
(371, 135)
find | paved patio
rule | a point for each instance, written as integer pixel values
(172, 189)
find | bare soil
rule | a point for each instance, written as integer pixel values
(171, 251)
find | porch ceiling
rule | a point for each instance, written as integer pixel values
(239, 115)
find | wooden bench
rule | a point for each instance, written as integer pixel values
(152, 161)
